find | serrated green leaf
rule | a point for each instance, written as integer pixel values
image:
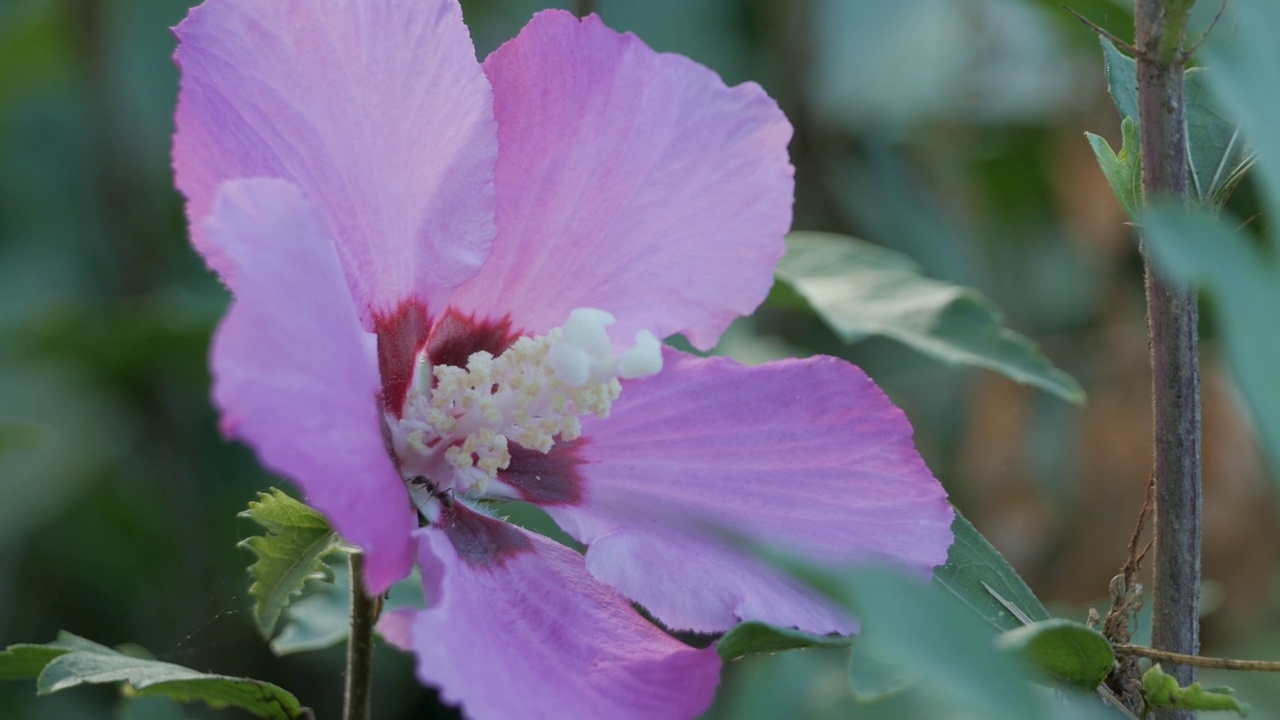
(1195, 248)
(756, 637)
(1161, 690)
(293, 551)
(1124, 170)
(152, 677)
(321, 617)
(1065, 649)
(979, 576)
(860, 289)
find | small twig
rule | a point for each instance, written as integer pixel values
(1189, 51)
(1133, 52)
(1135, 560)
(1198, 660)
(1126, 600)
(1145, 549)
(356, 695)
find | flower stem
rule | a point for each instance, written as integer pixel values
(359, 646)
(583, 8)
(1171, 320)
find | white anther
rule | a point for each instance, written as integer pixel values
(644, 358)
(586, 328)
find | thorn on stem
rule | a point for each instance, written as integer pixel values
(1131, 50)
(1186, 54)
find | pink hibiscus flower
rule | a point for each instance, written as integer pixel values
(449, 280)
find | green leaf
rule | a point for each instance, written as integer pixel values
(927, 633)
(321, 617)
(1244, 70)
(979, 576)
(756, 637)
(802, 685)
(1065, 649)
(70, 661)
(1162, 691)
(937, 646)
(293, 551)
(1122, 79)
(151, 677)
(872, 678)
(1123, 171)
(1195, 248)
(927, 653)
(860, 289)
(1217, 157)
(24, 661)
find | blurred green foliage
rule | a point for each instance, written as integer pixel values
(949, 130)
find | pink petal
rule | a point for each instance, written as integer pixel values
(396, 627)
(805, 455)
(295, 376)
(534, 635)
(377, 109)
(630, 181)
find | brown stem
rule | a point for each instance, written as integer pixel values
(1171, 322)
(356, 695)
(1198, 660)
(583, 8)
